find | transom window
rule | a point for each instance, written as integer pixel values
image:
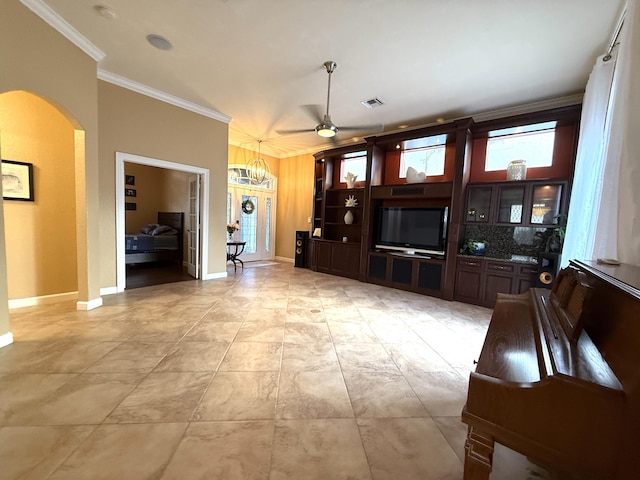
(238, 174)
(532, 143)
(355, 163)
(428, 159)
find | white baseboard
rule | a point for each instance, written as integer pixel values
(90, 305)
(213, 276)
(43, 300)
(6, 339)
(108, 291)
(284, 259)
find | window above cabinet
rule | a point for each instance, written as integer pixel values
(354, 163)
(428, 158)
(546, 140)
(533, 143)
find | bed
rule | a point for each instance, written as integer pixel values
(160, 242)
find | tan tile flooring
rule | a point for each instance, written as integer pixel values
(272, 373)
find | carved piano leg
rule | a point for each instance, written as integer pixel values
(478, 457)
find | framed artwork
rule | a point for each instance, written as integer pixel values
(129, 180)
(130, 192)
(129, 206)
(17, 180)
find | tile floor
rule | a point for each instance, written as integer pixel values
(272, 373)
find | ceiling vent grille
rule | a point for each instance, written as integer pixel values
(372, 102)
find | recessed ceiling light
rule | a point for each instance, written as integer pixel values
(106, 12)
(159, 42)
(440, 120)
(403, 126)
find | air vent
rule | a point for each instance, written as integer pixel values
(372, 102)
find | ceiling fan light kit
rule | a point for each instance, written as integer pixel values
(326, 130)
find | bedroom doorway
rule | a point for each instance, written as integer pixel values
(254, 206)
(159, 186)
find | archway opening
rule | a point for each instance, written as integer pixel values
(44, 261)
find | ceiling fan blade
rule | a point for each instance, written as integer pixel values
(314, 111)
(292, 132)
(361, 128)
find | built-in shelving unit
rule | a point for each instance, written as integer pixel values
(349, 248)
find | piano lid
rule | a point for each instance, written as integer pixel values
(624, 276)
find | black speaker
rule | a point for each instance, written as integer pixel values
(301, 245)
(548, 266)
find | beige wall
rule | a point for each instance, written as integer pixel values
(36, 58)
(137, 124)
(295, 195)
(149, 196)
(40, 236)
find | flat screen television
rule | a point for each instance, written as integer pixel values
(412, 229)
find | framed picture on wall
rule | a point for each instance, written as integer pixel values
(129, 206)
(129, 180)
(130, 192)
(17, 180)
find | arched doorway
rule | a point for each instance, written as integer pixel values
(43, 257)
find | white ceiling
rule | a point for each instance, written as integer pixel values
(260, 62)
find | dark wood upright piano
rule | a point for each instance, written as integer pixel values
(558, 378)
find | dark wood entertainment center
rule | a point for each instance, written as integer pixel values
(349, 250)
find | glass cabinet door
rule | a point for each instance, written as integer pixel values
(510, 203)
(545, 205)
(478, 204)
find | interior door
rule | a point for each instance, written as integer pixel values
(193, 227)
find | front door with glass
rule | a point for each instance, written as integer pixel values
(254, 208)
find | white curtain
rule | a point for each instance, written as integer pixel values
(584, 209)
(624, 144)
(605, 201)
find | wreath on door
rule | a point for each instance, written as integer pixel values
(248, 207)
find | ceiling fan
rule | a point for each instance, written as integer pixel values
(326, 128)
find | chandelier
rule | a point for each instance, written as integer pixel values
(540, 209)
(258, 170)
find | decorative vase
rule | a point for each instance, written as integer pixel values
(348, 217)
(517, 170)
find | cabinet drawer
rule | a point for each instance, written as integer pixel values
(500, 267)
(469, 263)
(528, 269)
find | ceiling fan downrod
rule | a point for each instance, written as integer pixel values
(330, 66)
(327, 128)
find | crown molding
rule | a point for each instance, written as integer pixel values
(47, 14)
(267, 150)
(160, 95)
(530, 107)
